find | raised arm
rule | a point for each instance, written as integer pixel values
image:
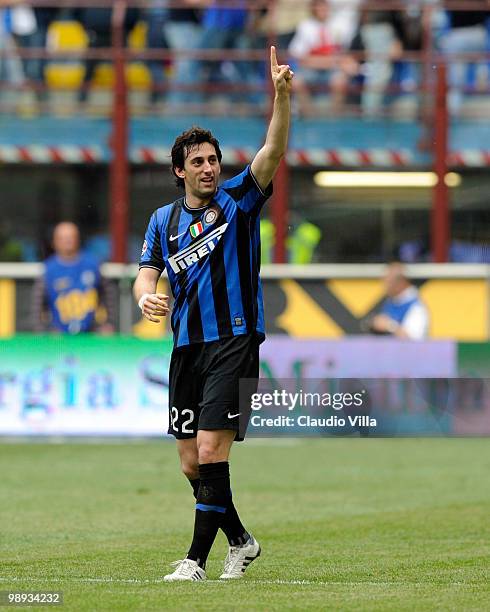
(267, 160)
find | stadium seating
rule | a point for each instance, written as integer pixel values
(138, 76)
(65, 36)
(65, 76)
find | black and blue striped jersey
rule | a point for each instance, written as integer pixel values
(212, 257)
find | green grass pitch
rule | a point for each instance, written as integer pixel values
(345, 524)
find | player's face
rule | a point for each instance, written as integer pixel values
(66, 239)
(394, 281)
(319, 10)
(201, 171)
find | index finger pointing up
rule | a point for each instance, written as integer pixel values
(273, 57)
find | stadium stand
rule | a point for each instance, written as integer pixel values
(397, 134)
(65, 36)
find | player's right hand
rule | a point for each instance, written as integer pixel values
(155, 305)
(282, 75)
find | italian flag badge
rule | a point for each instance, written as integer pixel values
(196, 229)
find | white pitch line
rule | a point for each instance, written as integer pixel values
(147, 581)
(83, 580)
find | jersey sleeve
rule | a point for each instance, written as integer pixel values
(246, 192)
(151, 253)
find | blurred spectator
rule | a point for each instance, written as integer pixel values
(344, 20)
(315, 47)
(380, 38)
(468, 33)
(267, 241)
(302, 242)
(71, 296)
(31, 32)
(10, 67)
(462, 251)
(410, 30)
(183, 32)
(281, 20)
(402, 314)
(273, 24)
(225, 28)
(413, 251)
(98, 23)
(156, 17)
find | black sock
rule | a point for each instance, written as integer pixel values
(230, 523)
(212, 499)
(195, 482)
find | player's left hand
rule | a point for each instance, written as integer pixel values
(282, 75)
(383, 324)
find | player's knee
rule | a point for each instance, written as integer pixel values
(210, 453)
(190, 469)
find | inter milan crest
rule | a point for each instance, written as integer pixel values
(196, 229)
(210, 216)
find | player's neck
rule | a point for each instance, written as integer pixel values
(192, 201)
(68, 257)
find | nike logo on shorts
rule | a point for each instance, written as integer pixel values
(234, 416)
(172, 238)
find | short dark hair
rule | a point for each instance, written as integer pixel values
(184, 144)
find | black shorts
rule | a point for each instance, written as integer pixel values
(205, 391)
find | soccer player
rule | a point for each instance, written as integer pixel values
(208, 241)
(71, 296)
